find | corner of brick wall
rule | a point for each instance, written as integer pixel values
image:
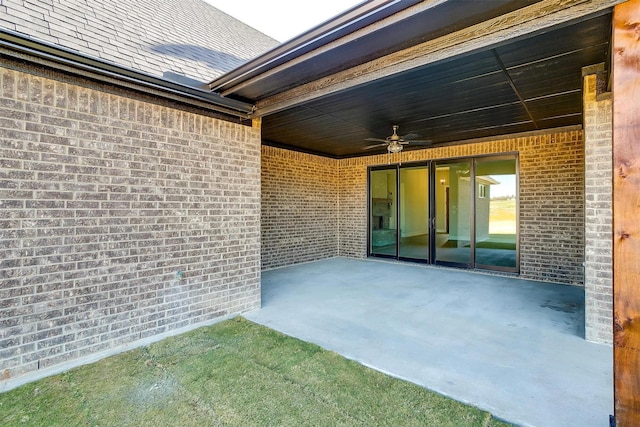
(121, 219)
(299, 207)
(598, 213)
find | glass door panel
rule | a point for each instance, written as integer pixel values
(461, 212)
(453, 213)
(414, 213)
(496, 224)
(383, 213)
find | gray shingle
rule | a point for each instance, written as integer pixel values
(188, 37)
(26, 14)
(7, 24)
(38, 6)
(36, 33)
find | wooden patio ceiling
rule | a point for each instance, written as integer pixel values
(527, 83)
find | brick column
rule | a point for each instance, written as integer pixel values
(598, 207)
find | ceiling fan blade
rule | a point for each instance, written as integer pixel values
(411, 136)
(421, 142)
(376, 140)
(369, 147)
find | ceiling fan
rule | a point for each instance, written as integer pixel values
(395, 143)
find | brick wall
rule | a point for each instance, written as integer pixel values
(121, 219)
(551, 200)
(299, 207)
(598, 213)
(552, 207)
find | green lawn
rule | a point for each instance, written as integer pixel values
(234, 373)
(502, 216)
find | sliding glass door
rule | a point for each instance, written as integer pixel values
(496, 214)
(383, 224)
(461, 212)
(414, 213)
(453, 213)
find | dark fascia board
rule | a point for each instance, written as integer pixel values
(20, 44)
(352, 20)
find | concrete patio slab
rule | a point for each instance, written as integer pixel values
(513, 347)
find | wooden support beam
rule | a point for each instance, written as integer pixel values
(538, 16)
(626, 210)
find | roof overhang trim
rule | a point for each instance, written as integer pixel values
(532, 19)
(19, 46)
(355, 19)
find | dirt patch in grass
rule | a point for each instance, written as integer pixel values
(234, 373)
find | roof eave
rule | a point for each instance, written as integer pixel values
(351, 20)
(18, 45)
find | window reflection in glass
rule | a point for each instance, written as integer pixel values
(496, 212)
(453, 212)
(383, 217)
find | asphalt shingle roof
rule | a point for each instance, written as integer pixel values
(187, 37)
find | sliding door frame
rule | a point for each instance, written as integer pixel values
(431, 197)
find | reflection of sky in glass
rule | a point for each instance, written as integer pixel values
(507, 186)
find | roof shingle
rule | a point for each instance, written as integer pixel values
(187, 37)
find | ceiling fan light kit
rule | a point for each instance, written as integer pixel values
(394, 147)
(396, 142)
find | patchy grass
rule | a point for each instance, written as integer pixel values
(502, 216)
(234, 373)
